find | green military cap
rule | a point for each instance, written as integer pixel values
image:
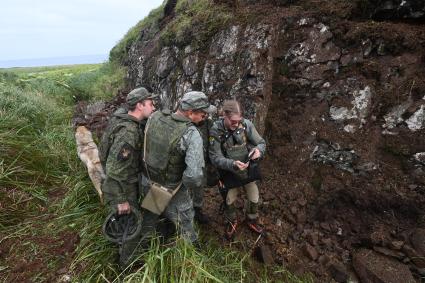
(197, 100)
(139, 94)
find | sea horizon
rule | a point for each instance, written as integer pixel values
(54, 61)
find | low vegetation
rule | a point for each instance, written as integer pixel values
(191, 22)
(195, 22)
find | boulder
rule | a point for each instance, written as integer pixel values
(396, 245)
(373, 267)
(329, 153)
(397, 9)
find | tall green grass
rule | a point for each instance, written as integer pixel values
(38, 157)
(36, 107)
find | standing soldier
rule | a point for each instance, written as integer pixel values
(120, 154)
(174, 162)
(235, 145)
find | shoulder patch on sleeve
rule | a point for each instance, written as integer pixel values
(211, 140)
(125, 152)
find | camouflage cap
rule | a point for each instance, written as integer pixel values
(197, 100)
(139, 94)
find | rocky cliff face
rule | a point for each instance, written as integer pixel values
(341, 100)
(237, 62)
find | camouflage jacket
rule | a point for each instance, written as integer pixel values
(122, 165)
(191, 144)
(220, 135)
(193, 175)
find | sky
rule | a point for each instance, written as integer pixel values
(54, 28)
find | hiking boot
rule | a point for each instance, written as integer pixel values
(231, 229)
(200, 217)
(254, 226)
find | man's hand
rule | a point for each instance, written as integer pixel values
(124, 208)
(240, 165)
(254, 154)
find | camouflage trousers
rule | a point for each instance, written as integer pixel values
(128, 249)
(198, 197)
(179, 211)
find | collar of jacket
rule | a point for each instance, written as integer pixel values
(125, 116)
(180, 118)
(226, 130)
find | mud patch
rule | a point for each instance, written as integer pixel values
(33, 257)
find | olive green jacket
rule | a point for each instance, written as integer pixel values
(220, 135)
(122, 166)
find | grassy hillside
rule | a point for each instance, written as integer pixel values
(40, 173)
(50, 228)
(191, 22)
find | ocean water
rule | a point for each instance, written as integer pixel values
(66, 60)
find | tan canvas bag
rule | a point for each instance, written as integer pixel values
(158, 198)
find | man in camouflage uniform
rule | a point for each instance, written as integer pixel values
(210, 173)
(173, 157)
(234, 145)
(120, 154)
